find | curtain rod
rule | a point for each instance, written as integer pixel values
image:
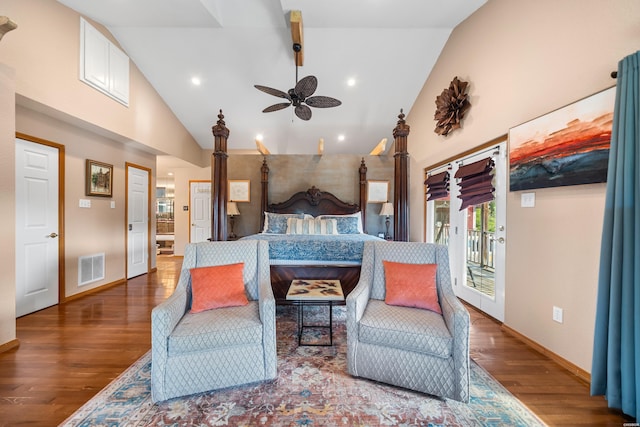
(437, 169)
(497, 147)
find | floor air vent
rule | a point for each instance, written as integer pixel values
(90, 268)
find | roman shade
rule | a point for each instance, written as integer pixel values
(437, 186)
(476, 182)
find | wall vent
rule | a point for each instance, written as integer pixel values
(90, 268)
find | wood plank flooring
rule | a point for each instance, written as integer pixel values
(69, 352)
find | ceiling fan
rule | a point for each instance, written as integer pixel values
(300, 95)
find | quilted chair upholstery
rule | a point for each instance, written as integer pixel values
(218, 348)
(408, 347)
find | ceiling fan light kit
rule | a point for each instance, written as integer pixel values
(451, 106)
(300, 95)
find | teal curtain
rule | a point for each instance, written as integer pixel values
(615, 371)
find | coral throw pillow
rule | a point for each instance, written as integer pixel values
(411, 285)
(217, 286)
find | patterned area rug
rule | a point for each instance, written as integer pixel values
(312, 389)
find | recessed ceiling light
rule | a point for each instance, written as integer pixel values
(170, 173)
(341, 137)
(351, 82)
(196, 81)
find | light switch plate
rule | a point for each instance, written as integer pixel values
(557, 314)
(85, 203)
(528, 200)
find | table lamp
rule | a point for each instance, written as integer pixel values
(386, 210)
(232, 211)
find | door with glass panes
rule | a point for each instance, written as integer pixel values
(475, 232)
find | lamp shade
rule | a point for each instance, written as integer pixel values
(386, 209)
(232, 209)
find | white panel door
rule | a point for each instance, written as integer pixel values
(137, 221)
(200, 209)
(37, 243)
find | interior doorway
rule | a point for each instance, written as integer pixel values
(39, 226)
(138, 214)
(200, 208)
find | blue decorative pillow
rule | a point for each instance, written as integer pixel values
(346, 225)
(276, 223)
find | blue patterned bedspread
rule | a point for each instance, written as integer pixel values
(287, 248)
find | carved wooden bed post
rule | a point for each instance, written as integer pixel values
(264, 194)
(219, 181)
(401, 181)
(363, 194)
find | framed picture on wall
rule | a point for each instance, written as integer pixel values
(568, 146)
(99, 179)
(377, 191)
(239, 190)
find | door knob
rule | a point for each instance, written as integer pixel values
(53, 235)
(501, 240)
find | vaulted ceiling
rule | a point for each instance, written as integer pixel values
(373, 55)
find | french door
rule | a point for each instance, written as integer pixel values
(475, 236)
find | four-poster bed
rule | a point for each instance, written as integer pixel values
(326, 252)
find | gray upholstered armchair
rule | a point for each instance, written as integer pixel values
(408, 347)
(222, 347)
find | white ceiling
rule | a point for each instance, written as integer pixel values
(388, 46)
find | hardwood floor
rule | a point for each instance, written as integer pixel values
(69, 352)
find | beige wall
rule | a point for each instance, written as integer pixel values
(100, 228)
(45, 52)
(7, 204)
(39, 63)
(524, 59)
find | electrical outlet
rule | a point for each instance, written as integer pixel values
(557, 314)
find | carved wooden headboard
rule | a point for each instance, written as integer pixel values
(314, 202)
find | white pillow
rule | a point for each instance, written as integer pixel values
(356, 215)
(312, 226)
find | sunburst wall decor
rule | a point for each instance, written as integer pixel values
(451, 105)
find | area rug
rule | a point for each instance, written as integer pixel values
(312, 389)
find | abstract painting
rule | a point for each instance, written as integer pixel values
(568, 146)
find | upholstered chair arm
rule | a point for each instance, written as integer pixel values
(164, 319)
(267, 306)
(456, 318)
(357, 303)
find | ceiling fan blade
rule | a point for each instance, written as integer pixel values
(306, 86)
(303, 112)
(276, 107)
(272, 91)
(322, 102)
